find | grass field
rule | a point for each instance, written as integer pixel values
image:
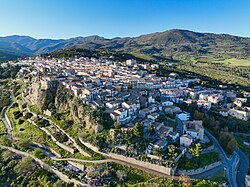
(193, 163)
(236, 62)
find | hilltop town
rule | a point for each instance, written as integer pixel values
(159, 123)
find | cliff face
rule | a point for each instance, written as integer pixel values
(53, 96)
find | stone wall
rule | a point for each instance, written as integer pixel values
(8, 120)
(133, 161)
(199, 170)
(77, 165)
(47, 148)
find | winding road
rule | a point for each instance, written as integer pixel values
(59, 174)
(5, 119)
(229, 163)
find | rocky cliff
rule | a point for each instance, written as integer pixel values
(52, 95)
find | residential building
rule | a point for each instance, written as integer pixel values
(186, 140)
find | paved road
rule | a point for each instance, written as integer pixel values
(243, 168)
(240, 134)
(230, 164)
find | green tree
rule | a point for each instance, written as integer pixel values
(157, 151)
(228, 142)
(38, 153)
(198, 115)
(138, 130)
(232, 145)
(151, 129)
(206, 183)
(25, 166)
(196, 150)
(121, 175)
(172, 152)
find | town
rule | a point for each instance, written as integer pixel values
(142, 106)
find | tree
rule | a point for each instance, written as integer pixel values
(23, 144)
(25, 166)
(151, 129)
(39, 153)
(172, 152)
(207, 183)
(158, 151)
(59, 183)
(196, 150)
(138, 130)
(121, 175)
(232, 145)
(185, 180)
(228, 142)
(198, 115)
(117, 125)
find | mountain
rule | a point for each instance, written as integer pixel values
(173, 43)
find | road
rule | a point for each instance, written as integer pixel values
(59, 174)
(240, 134)
(243, 168)
(229, 164)
(7, 123)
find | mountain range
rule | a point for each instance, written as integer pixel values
(172, 43)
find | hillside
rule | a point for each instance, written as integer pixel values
(176, 44)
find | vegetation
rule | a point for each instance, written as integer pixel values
(195, 150)
(4, 98)
(138, 130)
(198, 162)
(18, 171)
(8, 72)
(228, 142)
(2, 128)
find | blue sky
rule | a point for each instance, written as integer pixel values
(112, 18)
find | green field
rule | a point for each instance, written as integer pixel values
(235, 62)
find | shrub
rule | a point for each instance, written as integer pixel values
(20, 121)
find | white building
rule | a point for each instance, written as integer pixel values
(167, 103)
(186, 140)
(247, 180)
(184, 116)
(239, 114)
(204, 104)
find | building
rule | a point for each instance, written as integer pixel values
(224, 112)
(204, 104)
(130, 62)
(240, 101)
(184, 116)
(186, 140)
(157, 143)
(174, 135)
(194, 129)
(247, 180)
(239, 114)
(172, 110)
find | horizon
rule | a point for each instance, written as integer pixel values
(110, 19)
(123, 36)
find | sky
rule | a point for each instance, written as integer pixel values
(121, 18)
